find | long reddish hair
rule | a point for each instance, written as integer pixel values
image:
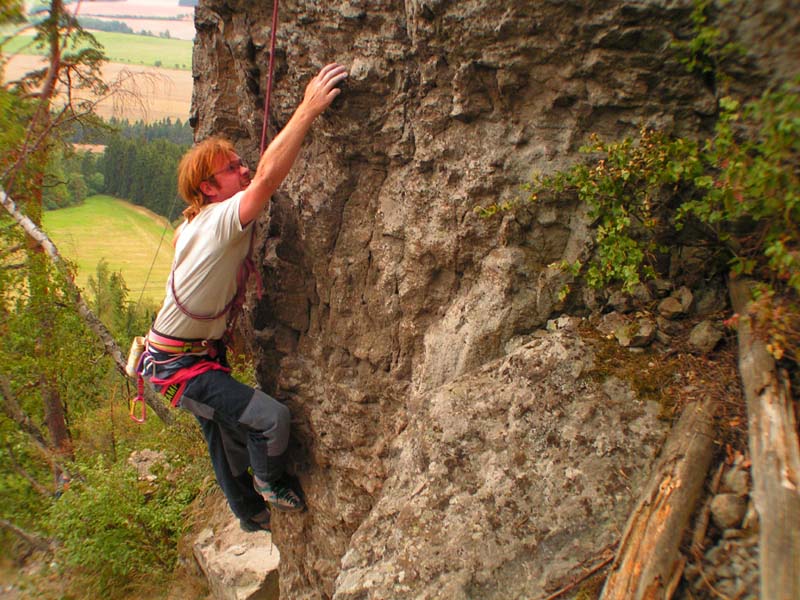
(196, 166)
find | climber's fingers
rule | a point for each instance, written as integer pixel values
(322, 90)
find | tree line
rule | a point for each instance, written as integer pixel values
(139, 164)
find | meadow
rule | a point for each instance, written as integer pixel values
(124, 48)
(126, 236)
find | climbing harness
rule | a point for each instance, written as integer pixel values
(141, 360)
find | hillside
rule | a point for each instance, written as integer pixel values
(129, 238)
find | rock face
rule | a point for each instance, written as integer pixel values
(391, 308)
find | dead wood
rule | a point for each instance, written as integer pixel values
(153, 400)
(35, 541)
(775, 456)
(648, 563)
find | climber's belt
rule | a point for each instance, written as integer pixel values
(170, 345)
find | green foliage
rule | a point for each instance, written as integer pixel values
(742, 187)
(625, 192)
(707, 48)
(144, 173)
(114, 528)
(110, 303)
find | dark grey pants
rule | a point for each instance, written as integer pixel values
(243, 427)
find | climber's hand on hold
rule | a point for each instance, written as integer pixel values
(278, 158)
(322, 90)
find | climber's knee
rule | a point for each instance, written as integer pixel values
(270, 418)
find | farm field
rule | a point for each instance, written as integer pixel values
(124, 48)
(128, 237)
(161, 93)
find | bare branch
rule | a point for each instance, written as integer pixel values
(12, 409)
(34, 540)
(42, 490)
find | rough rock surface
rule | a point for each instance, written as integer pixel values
(385, 292)
(238, 565)
(517, 504)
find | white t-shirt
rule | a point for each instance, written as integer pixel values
(208, 254)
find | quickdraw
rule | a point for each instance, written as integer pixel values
(139, 399)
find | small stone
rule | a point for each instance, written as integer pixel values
(620, 302)
(663, 338)
(728, 510)
(710, 300)
(642, 293)
(685, 297)
(645, 333)
(670, 308)
(660, 287)
(750, 522)
(667, 326)
(736, 481)
(610, 322)
(705, 336)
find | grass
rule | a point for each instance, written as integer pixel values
(124, 48)
(126, 236)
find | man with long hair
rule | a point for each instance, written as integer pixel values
(246, 430)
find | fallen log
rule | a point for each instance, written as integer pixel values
(648, 562)
(774, 454)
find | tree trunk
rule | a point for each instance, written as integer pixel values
(648, 563)
(775, 456)
(153, 400)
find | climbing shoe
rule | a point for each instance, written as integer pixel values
(259, 522)
(279, 495)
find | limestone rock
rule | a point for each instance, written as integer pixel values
(670, 308)
(611, 322)
(685, 297)
(736, 481)
(637, 334)
(383, 286)
(238, 565)
(728, 510)
(620, 301)
(144, 461)
(478, 499)
(705, 336)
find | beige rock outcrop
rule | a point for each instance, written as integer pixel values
(433, 446)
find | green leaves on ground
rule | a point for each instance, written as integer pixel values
(739, 191)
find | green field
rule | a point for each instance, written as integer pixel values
(126, 236)
(124, 48)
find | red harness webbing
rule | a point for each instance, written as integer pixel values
(172, 387)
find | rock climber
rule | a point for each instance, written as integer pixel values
(247, 431)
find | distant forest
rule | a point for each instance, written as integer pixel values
(139, 164)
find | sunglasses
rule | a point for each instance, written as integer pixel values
(233, 167)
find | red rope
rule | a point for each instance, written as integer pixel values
(269, 79)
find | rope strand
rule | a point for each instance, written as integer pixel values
(269, 76)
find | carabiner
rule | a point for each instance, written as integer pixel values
(138, 400)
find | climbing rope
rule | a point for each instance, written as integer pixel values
(273, 35)
(158, 249)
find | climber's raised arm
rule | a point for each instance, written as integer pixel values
(280, 155)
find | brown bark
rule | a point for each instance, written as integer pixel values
(153, 400)
(33, 540)
(648, 562)
(775, 456)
